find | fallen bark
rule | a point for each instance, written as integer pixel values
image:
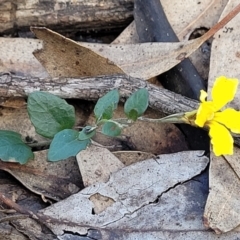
(92, 88)
(67, 16)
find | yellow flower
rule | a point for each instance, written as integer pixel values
(220, 123)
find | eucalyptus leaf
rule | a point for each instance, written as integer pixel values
(87, 133)
(106, 105)
(49, 114)
(13, 149)
(111, 129)
(65, 144)
(136, 104)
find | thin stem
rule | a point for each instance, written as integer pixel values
(39, 144)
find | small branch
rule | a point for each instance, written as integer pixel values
(13, 217)
(221, 23)
(17, 207)
(92, 88)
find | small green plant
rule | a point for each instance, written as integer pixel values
(54, 118)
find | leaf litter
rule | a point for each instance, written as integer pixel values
(113, 202)
(128, 194)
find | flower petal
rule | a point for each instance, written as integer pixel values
(203, 96)
(230, 118)
(221, 139)
(205, 113)
(223, 91)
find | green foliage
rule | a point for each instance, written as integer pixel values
(111, 129)
(136, 104)
(49, 114)
(53, 117)
(87, 133)
(65, 144)
(106, 105)
(13, 149)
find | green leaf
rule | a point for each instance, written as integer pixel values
(136, 104)
(13, 149)
(87, 133)
(49, 114)
(65, 144)
(111, 129)
(106, 105)
(133, 114)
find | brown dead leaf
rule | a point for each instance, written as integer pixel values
(128, 35)
(17, 119)
(14, 102)
(56, 180)
(146, 60)
(96, 164)
(63, 57)
(130, 157)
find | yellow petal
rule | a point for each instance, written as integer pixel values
(203, 96)
(205, 113)
(221, 139)
(223, 91)
(230, 118)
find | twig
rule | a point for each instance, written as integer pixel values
(92, 88)
(17, 207)
(13, 217)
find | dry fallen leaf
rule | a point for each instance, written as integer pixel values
(64, 57)
(18, 120)
(222, 208)
(96, 164)
(222, 211)
(16, 57)
(130, 157)
(184, 18)
(128, 190)
(55, 180)
(186, 21)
